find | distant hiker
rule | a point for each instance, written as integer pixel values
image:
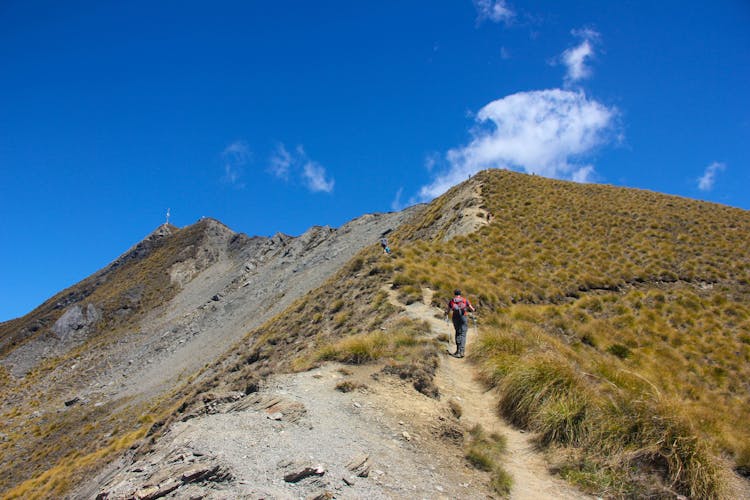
(384, 244)
(459, 306)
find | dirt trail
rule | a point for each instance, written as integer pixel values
(456, 379)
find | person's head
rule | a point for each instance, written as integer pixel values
(456, 292)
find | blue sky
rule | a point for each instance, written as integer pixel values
(276, 116)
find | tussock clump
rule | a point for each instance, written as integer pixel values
(455, 408)
(484, 452)
(407, 352)
(349, 386)
(656, 436)
(546, 394)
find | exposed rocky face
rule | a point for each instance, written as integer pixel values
(224, 284)
(75, 322)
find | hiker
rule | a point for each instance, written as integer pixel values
(384, 244)
(459, 306)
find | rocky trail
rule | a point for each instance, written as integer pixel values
(300, 437)
(456, 379)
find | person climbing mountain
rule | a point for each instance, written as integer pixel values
(384, 244)
(459, 306)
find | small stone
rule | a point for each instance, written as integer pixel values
(439, 488)
(276, 416)
(406, 436)
(146, 492)
(295, 477)
(357, 405)
(360, 465)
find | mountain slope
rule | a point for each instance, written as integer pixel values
(83, 367)
(614, 326)
(617, 326)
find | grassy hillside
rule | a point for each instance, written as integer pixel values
(615, 322)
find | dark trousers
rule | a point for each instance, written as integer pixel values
(461, 324)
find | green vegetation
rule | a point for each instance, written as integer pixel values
(485, 453)
(614, 323)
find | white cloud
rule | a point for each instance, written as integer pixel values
(545, 132)
(583, 174)
(312, 174)
(281, 160)
(707, 180)
(235, 157)
(315, 178)
(493, 10)
(576, 58)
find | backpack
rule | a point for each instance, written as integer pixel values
(458, 306)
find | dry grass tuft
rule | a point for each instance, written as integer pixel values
(484, 452)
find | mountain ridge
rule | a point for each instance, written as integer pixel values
(588, 283)
(198, 278)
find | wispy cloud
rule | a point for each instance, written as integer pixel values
(708, 179)
(397, 204)
(235, 157)
(547, 132)
(280, 162)
(312, 174)
(493, 10)
(576, 59)
(431, 161)
(315, 178)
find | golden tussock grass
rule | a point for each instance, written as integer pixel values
(611, 319)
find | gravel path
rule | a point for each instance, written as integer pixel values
(456, 379)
